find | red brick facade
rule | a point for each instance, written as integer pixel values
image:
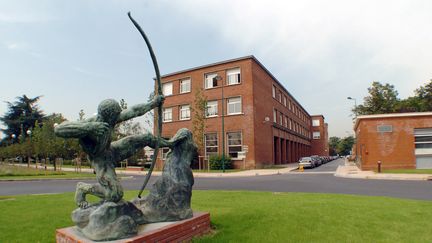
(260, 115)
(391, 139)
(319, 140)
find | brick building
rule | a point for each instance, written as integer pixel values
(260, 116)
(319, 142)
(401, 140)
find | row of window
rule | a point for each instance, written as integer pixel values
(234, 106)
(234, 142)
(422, 138)
(211, 80)
(282, 98)
(289, 123)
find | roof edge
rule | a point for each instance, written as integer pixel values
(234, 60)
(391, 115)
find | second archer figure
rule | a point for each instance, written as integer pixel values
(94, 136)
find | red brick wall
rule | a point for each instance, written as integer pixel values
(320, 146)
(394, 149)
(257, 104)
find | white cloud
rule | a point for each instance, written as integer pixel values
(362, 40)
(16, 46)
(331, 49)
(14, 18)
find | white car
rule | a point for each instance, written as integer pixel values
(307, 162)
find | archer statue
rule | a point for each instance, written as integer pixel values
(94, 135)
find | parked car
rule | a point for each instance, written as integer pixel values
(307, 162)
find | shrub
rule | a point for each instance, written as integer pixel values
(216, 162)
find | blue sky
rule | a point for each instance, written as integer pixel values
(77, 53)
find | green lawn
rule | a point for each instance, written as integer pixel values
(250, 217)
(409, 171)
(8, 172)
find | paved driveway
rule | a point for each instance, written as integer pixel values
(292, 182)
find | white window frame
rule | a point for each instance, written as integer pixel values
(167, 89)
(274, 116)
(167, 114)
(233, 76)
(236, 145)
(315, 122)
(234, 105)
(274, 91)
(209, 80)
(185, 85)
(316, 135)
(211, 146)
(212, 106)
(185, 112)
(164, 153)
(281, 119)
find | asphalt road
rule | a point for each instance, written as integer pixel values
(292, 182)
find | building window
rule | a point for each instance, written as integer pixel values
(285, 103)
(167, 114)
(281, 119)
(185, 85)
(315, 123)
(423, 138)
(210, 80)
(274, 91)
(289, 104)
(280, 96)
(212, 108)
(184, 112)
(167, 89)
(316, 135)
(165, 152)
(274, 115)
(234, 106)
(286, 121)
(234, 143)
(211, 144)
(233, 76)
(290, 124)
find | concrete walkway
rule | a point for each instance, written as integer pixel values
(350, 170)
(256, 172)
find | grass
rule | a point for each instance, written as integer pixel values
(9, 172)
(250, 217)
(409, 171)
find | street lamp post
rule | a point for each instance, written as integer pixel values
(355, 105)
(29, 132)
(219, 78)
(355, 136)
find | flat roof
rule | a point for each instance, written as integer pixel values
(234, 60)
(391, 115)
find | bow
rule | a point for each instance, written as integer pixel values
(159, 111)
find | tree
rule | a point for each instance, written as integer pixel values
(345, 145)
(198, 119)
(333, 143)
(424, 97)
(382, 99)
(21, 117)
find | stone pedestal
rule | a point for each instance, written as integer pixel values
(178, 231)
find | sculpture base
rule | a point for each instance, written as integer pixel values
(178, 231)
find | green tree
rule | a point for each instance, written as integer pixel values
(382, 99)
(198, 119)
(345, 145)
(424, 97)
(333, 143)
(21, 117)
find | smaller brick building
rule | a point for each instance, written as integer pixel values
(319, 142)
(401, 140)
